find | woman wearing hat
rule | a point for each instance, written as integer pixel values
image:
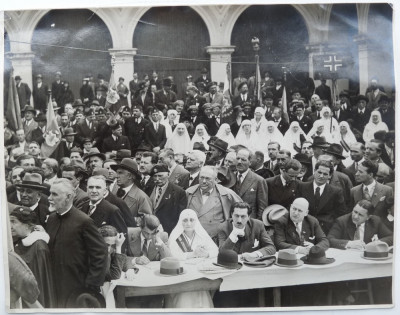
(31, 245)
(179, 142)
(190, 240)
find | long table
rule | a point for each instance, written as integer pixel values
(348, 266)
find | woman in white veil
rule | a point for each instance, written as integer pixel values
(248, 137)
(201, 135)
(179, 142)
(331, 125)
(293, 138)
(375, 124)
(319, 130)
(259, 121)
(165, 122)
(272, 133)
(224, 133)
(189, 240)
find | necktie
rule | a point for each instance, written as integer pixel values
(143, 182)
(144, 248)
(136, 120)
(120, 193)
(318, 115)
(191, 178)
(356, 166)
(116, 139)
(366, 193)
(159, 191)
(317, 197)
(91, 209)
(298, 229)
(357, 234)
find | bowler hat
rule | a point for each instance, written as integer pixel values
(241, 84)
(32, 180)
(76, 149)
(84, 298)
(123, 153)
(362, 98)
(272, 213)
(228, 258)
(40, 117)
(159, 168)
(220, 145)
(335, 150)
(213, 83)
(320, 142)
(94, 152)
(69, 132)
(101, 89)
(128, 164)
(268, 95)
(376, 250)
(288, 258)
(316, 256)
(29, 108)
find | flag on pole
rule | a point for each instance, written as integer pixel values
(51, 118)
(112, 95)
(258, 80)
(227, 82)
(227, 110)
(13, 112)
(284, 101)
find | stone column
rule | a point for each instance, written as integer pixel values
(22, 65)
(124, 65)
(220, 56)
(363, 53)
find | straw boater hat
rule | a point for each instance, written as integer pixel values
(33, 181)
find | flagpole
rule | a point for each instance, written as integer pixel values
(257, 92)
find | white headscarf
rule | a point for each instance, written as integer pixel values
(349, 136)
(203, 139)
(252, 141)
(179, 144)
(165, 122)
(260, 127)
(292, 138)
(201, 236)
(372, 127)
(221, 134)
(325, 133)
(271, 136)
(330, 124)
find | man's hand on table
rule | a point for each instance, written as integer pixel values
(358, 244)
(142, 260)
(250, 256)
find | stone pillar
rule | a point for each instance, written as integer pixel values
(220, 56)
(362, 43)
(124, 65)
(22, 65)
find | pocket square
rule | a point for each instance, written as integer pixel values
(252, 189)
(382, 198)
(256, 243)
(104, 223)
(312, 238)
(374, 238)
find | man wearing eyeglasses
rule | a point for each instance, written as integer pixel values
(211, 201)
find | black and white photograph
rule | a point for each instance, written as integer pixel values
(190, 157)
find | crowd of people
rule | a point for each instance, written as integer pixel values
(136, 174)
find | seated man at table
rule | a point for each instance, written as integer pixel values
(247, 237)
(299, 230)
(147, 243)
(355, 229)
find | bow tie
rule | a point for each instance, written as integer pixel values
(207, 193)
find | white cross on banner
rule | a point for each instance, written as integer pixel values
(333, 63)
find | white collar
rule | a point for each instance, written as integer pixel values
(321, 188)
(65, 211)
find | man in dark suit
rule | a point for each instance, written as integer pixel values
(257, 165)
(178, 175)
(56, 88)
(369, 189)
(204, 78)
(134, 86)
(195, 161)
(77, 249)
(155, 134)
(29, 123)
(24, 92)
(165, 98)
(236, 82)
(213, 96)
(143, 98)
(282, 188)
(39, 94)
(387, 112)
(317, 114)
(244, 96)
(168, 199)
(66, 144)
(299, 230)
(148, 160)
(215, 121)
(134, 127)
(326, 201)
(249, 186)
(86, 92)
(357, 151)
(194, 98)
(305, 122)
(37, 134)
(362, 114)
(100, 210)
(355, 229)
(86, 128)
(280, 122)
(339, 113)
(272, 163)
(324, 91)
(116, 141)
(194, 116)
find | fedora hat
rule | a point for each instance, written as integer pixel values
(319, 142)
(77, 102)
(94, 152)
(362, 98)
(103, 172)
(84, 298)
(220, 145)
(33, 181)
(40, 117)
(316, 256)
(377, 250)
(69, 132)
(199, 146)
(272, 213)
(170, 266)
(288, 258)
(228, 258)
(142, 147)
(226, 176)
(335, 150)
(121, 154)
(128, 164)
(29, 108)
(302, 158)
